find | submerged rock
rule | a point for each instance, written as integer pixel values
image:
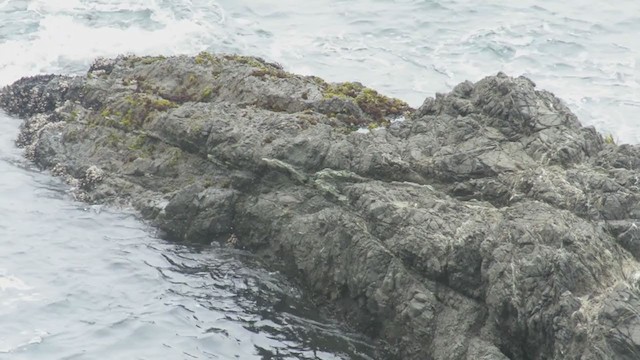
(488, 225)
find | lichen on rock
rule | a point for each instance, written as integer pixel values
(378, 106)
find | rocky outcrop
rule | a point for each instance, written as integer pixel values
(489, 224)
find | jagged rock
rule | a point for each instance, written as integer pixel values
(487, 225)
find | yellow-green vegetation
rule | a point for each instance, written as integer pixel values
(160, 104)
(196, 126)
(347, 129)
(251, 61)
(206, 94)
(372, 103)
(205, 58)
(151, 59)
(73, 116)
(134, 111)
(262, 68)
(138, 142)
(270, 71)
(176, 155)
(145, 60)
(127, 121)
(319, 81)
(143, 145)
(346, 90)
(208, 183)
(608, 139)
(113, 139)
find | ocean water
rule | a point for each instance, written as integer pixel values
(80, 282)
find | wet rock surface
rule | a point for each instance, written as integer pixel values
(489, 224)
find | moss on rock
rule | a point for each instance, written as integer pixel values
(133, 111)
(205, 58)
(146, 60)
(379, 107)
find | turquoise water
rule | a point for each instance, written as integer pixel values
(80, 282)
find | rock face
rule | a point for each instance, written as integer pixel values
(487, 225)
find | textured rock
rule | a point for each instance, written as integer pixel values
(487, 225)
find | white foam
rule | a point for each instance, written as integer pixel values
(8, 282)
(52, 7)
(15, 342)
(13, 292)
(62, 38)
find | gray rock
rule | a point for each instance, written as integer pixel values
(488, 225)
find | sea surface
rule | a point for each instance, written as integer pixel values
(88, 282)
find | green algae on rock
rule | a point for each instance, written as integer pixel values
(378, 106)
